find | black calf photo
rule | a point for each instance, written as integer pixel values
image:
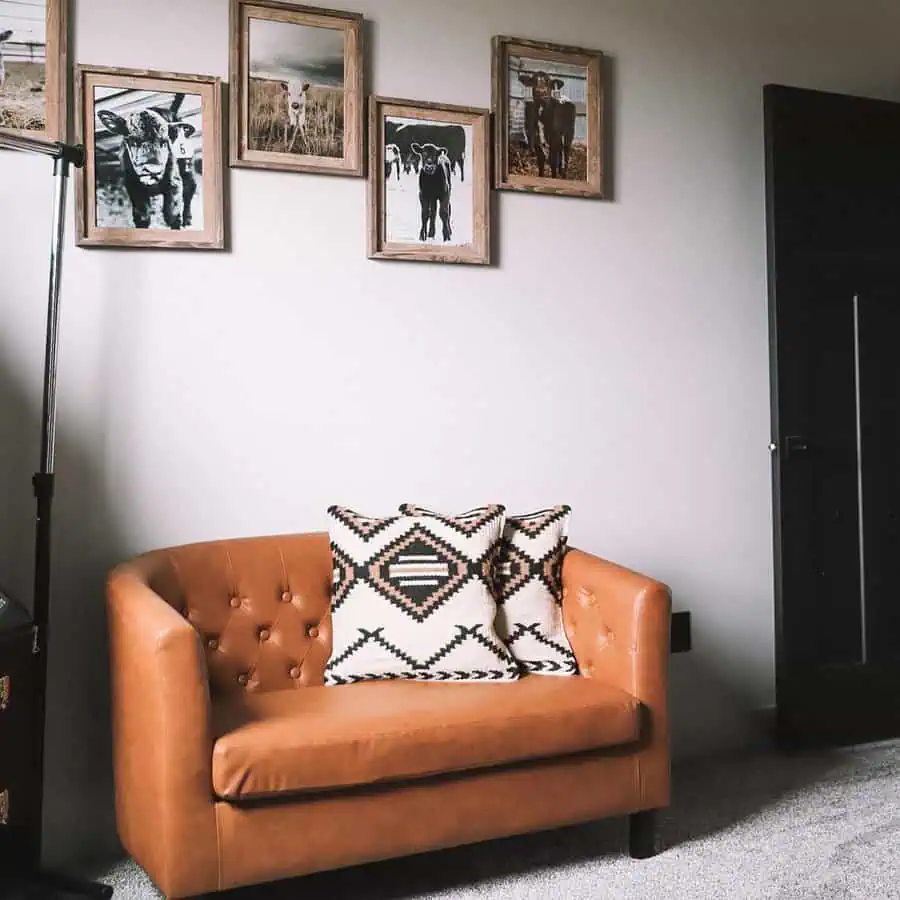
(548, 107)
(149, 159)
(428, 182)
(153, 175)
(428, 199)
(547, 127)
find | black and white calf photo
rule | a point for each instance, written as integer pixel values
(428, 175)
(148, 159)
(428, 200)
(296, 88)
(296, 96)
(153, 173)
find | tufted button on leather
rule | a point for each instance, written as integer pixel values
(286, 597)
(295, 672)
(243, 678)
(312, 631)
(264, 634)
(213, 644)
(235, 602)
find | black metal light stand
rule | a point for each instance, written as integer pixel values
(40, 882)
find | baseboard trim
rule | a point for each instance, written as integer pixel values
(764, 726)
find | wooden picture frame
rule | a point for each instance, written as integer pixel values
(288, 116)
(550, 119)
(405, 137)
(21, 110)
(154, 159)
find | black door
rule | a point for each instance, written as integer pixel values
(833, 210)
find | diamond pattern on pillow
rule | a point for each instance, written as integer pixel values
(412, 599)
(526, 578)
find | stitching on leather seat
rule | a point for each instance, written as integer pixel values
(219, 878)
(286, 581)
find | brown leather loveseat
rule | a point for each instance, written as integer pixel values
(234, 764)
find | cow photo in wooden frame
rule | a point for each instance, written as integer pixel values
(429, 182)
(548, 118)
(296, 83)
(154, 159)
(33, 67)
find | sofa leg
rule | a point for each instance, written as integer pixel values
(642, 838)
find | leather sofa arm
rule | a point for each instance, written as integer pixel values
(618, 623)
(162, 735)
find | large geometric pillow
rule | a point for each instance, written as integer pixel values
(527, 583)
(412, 599)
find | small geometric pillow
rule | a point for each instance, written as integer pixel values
(412, 599)
(527, 583)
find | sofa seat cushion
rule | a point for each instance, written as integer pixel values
(321, 738)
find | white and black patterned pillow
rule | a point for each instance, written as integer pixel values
(412, 599)
(527, 583)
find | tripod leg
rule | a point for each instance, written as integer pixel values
(43, 883)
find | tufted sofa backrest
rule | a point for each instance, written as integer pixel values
(261, 606)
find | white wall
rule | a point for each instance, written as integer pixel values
(615, 358)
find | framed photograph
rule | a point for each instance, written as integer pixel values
(296, 88)
(33, 67)
(153, 173)
(548, 118)
(429, 184)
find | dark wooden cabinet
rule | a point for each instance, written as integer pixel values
(17, 782)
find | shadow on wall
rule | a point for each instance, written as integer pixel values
(709, 707)
(79, 804)
(19, 449)
(78, 798)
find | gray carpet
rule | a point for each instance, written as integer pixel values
(812, 826)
